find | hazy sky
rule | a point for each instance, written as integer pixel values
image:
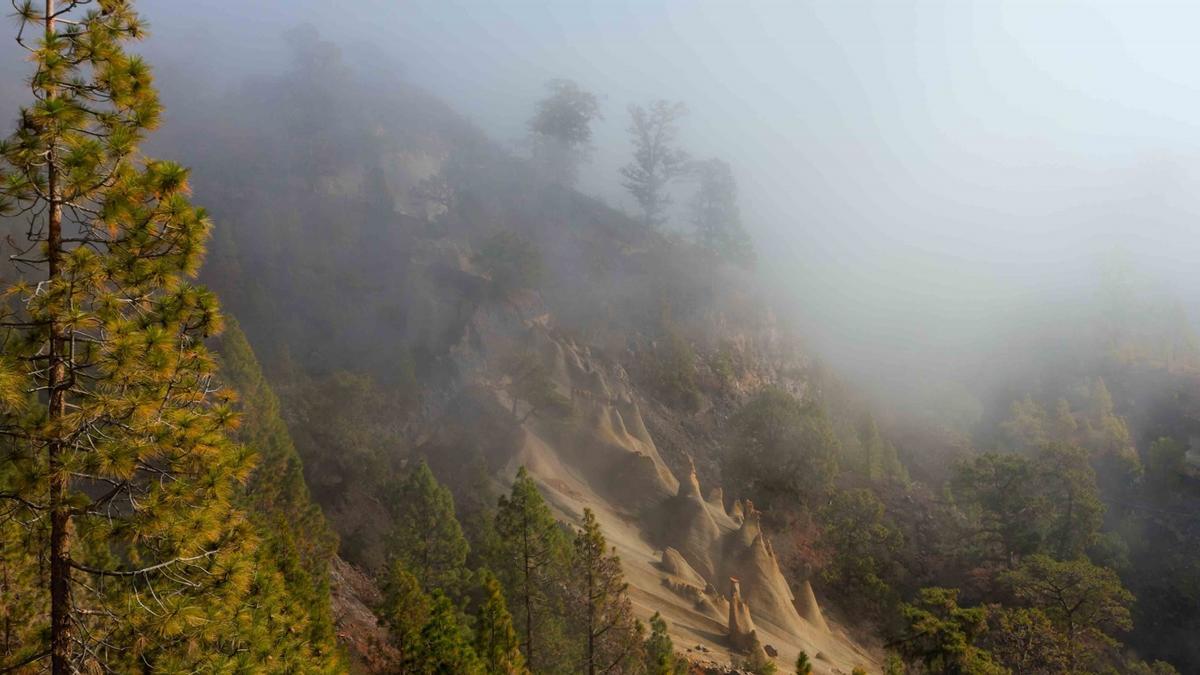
(912, 171)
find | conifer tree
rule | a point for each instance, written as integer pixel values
(496, 641)
(426, 537)
(803, 664)
(600, 603)
(286, 618)
(660, 651)
(530, 558)
(406, 609)
(444, 646)
(716, 216)
(120, 462)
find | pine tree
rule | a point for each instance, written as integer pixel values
(405, 610)
(530, 558)
(286, 619)
(443, 647)
(660, 651)
(121, 460)
(600, 603)
(496, 641)
(716, 216)
(803, 664)
(426, 537)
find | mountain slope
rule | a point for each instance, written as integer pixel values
(354, 247)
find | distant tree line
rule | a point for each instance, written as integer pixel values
(561, 138)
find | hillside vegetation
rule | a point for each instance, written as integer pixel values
(471, 420)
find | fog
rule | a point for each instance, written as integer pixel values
(919, 177)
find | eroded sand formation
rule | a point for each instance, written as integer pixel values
(711, 571)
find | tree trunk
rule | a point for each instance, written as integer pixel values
(591, 626)
(528, 589)
(60, 514)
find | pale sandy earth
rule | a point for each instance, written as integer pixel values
(603, 458)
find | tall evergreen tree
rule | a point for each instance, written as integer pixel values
(661, 658)
(426, 537)
(941, 635)
(600, 603)
(496, 641)
(120, 461)
(444, 646)
(405, 610)
(286, 618)
(716, 216)
(531, 555)
(1087, 604)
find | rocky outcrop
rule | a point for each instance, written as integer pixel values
(353, 594)
(809, 610)
(598, 453)
(742, 634)
(750, 557)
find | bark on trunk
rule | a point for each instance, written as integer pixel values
(60, 514)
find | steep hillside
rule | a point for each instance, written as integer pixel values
(416, 291)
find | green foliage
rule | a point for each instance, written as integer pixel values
(1068, 485)
(803, 664)
(346, 427)
(426, 537)
(444, 645)
(511, 261)
(288, 603)
(716, 216)
(657, 162)
(723, 363)
(1086, 603)
(599, 604)
(24, 605)
(124, 468)
(1137, 667)
(1000, 497)
(659, 651)
(940, 635)
(562, 129)
(673, 371)
(862, 546)
(783, 452)
(496, 641)
(566, 114)
(529, 382)
(1165, 463)
(405, 610)
(1026, 425)
(531, 557)
(1024, 640)
(879, 459)
(1018, 506)
(1095, 426)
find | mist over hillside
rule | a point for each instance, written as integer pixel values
(827, 333)
(919, 177)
